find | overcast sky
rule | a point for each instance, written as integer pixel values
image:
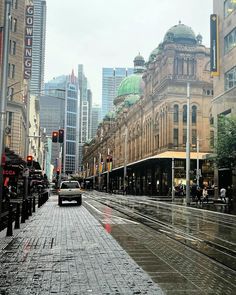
(110, 33)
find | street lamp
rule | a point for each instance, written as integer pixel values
(3, 102)
(188, 148)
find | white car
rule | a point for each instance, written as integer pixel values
(70, 190)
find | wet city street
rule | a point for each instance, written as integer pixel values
(116, 244)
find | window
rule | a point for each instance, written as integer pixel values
(12, 48)
(211, 138)
(10, 93)
(194, 137)
(13, 24)
(194, 114)
(230, 79)
(176, 136)
(185, 114)
(230, 6)
(176, 113)
(9, 118)
(230, 41)
(184, 136)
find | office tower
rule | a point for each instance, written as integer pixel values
(38, 47)
(59, 110)
(111, 79)
(96, 117)
(85, 106)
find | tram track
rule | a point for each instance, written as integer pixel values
(211, 249)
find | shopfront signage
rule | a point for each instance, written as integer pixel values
(29, 21)
(9, 172)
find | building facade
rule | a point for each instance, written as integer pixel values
(147, 133)
(224, 100)
(85, 112)
(111, 79)
(16, 101)
(96, 117)
(59, 110)
(38, 47)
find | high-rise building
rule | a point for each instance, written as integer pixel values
(85, 106)
(96, 117)
(223, 66)
(38, 47)
(16, 111)
(59, 110)
(111, 79)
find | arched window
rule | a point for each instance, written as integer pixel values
(194, 114)
(176, 113)
(185, 114)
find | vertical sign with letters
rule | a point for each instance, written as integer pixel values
(214, 45)
(29, 20)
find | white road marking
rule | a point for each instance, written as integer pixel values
(102, 213)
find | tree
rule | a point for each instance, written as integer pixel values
(226, 142)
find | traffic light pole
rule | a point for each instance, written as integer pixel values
(3, 101)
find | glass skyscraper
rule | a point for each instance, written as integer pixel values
(59, 110)
(111, 79)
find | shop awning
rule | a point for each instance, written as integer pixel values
(180, 155)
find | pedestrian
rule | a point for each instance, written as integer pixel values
(194, 191)
(223, 194)
(205, 195)
(199, 195)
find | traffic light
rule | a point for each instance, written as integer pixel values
(29, 161)
(61, 135)
(55, 136)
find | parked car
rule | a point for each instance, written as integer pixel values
(69, 190)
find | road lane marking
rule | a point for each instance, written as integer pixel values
(118, 217)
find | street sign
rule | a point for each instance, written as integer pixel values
(26, 172)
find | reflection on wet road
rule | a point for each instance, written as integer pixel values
(184, 250)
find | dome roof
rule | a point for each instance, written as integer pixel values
(109, 115)
(181, 34)
(131, 99)
(139, 58)
(131, 85)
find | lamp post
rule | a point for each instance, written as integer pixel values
(188, 148)
(3, 101)
(125, 159)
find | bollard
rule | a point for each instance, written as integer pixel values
(26, 209)
(33, 203)
(9, 221)
(39, 200)
(23, 212)
(30, 206)
(17, 219)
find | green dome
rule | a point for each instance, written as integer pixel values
(131, 99)
(109, 115)
(180, 34)
(131, 85)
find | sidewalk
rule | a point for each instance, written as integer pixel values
(64, 250)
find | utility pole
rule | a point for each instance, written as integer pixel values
(108, 167)
(198, 174)
(173, 180)
(3, 101)
(188, 148)
(125, 159)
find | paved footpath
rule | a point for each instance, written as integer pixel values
(64, 250)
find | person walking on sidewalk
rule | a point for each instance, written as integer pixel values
(223, 194)
(204, 195)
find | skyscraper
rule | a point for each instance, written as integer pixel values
(59, 110)
(96, 117)
(111, 79)
(85, 106)
(38, 47)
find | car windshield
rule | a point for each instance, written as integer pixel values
(66, 185)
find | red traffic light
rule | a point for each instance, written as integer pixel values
(29, 158)
(55, 136)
